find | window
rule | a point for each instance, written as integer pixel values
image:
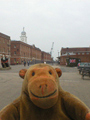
(82, 53)
(3, 40)
(78, 53)
(14, 52)
(87, 53)
(14, 46)
(14, 60)
(3, 49)
(8, 51)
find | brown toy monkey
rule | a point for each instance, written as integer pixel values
(42, 98)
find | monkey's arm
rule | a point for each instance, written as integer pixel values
(10, 112)
(75, 108)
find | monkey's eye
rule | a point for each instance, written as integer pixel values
(50, 72)
(33, 73)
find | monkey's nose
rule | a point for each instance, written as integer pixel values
(43, 87)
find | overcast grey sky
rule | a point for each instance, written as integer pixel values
(64, 22)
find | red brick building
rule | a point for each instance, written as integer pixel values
(21, 52)
(35, 54)
(82, 53)
(18, 51)
(5, 43)
(46, 57)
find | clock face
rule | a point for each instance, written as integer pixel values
(22, 39)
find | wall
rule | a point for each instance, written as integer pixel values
(81, 53)
(5, 43)
(26, 52)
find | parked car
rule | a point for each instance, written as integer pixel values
(82, 64)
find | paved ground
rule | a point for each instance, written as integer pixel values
(11, 83)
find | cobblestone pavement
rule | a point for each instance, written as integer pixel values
(11, 83)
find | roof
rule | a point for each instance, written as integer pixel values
(4, 36)
(77, 49)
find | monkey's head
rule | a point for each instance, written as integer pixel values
(41, 83)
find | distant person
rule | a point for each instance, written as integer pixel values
(66, 63)
(28, 63)
(24, 63)
(17, 62)
(44, 62)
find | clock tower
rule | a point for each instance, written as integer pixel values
(23, 37)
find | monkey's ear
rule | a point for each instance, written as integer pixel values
(59, 72)
(22, 73)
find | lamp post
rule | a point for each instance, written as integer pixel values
(0, 60)
(58, 53)
(58, 57)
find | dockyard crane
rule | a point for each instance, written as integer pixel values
(51, 49)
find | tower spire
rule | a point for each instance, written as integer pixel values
(23, 28)
(23, 37)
